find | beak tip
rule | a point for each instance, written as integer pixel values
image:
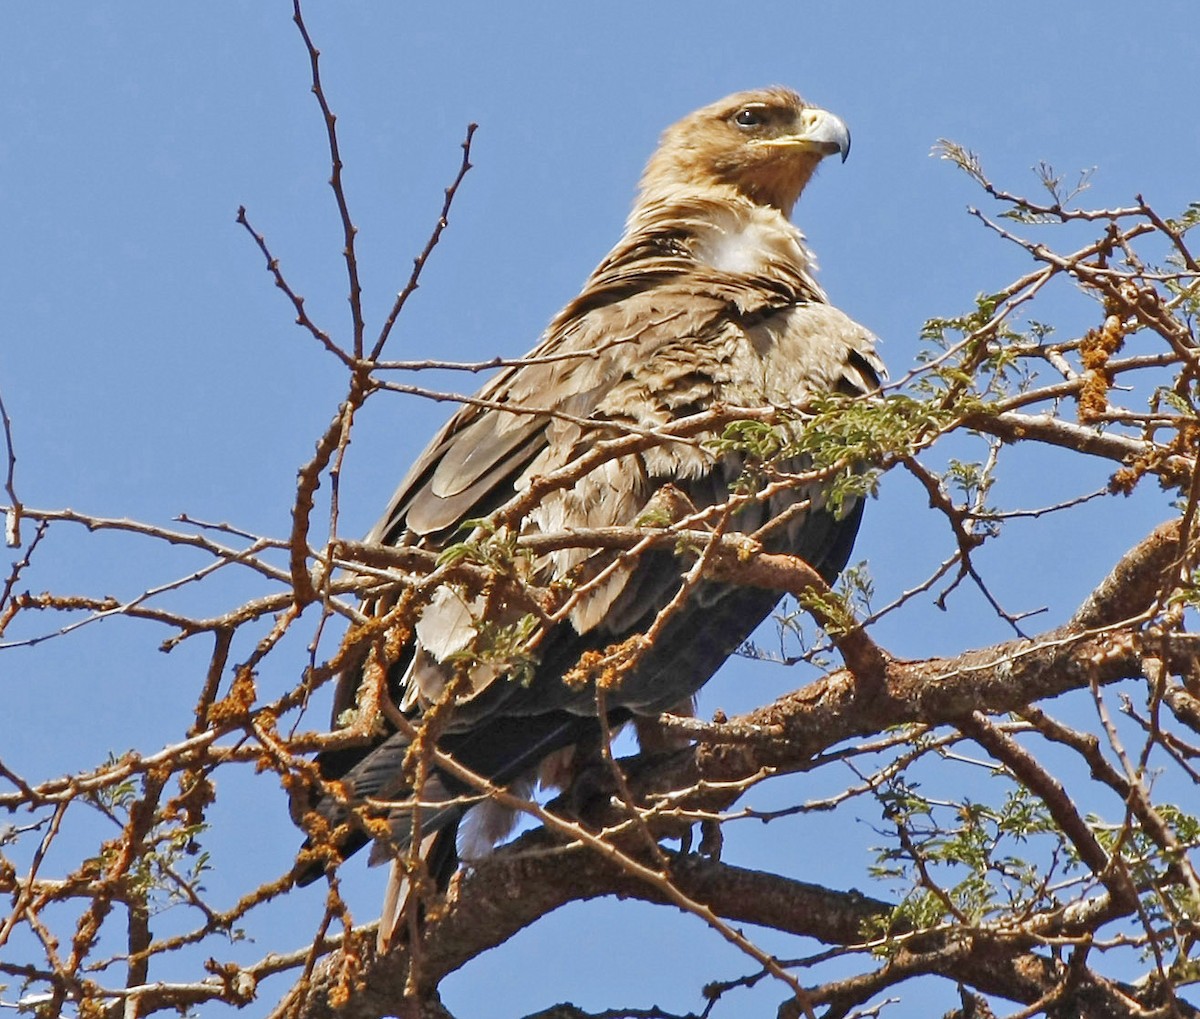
(830, 132)
(841, 137)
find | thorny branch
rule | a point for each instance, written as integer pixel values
(12, 516)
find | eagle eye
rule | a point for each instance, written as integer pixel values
(749, 116)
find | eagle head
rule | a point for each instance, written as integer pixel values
(765, 144)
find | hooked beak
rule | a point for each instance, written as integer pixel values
(818, 131)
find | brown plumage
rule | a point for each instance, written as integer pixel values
(708, 299)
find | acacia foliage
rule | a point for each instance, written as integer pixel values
(1065, 883)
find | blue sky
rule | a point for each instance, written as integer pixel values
(151, 368)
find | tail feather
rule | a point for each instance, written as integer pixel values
(402, 898)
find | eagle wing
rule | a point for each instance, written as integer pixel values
(642, 359)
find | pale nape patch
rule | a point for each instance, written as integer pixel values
(750, 245)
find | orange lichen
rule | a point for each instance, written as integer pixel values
(1095, 350)
(236, 705)
(196, 792)
(605, 668)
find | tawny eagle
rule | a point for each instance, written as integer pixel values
(708, 300)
